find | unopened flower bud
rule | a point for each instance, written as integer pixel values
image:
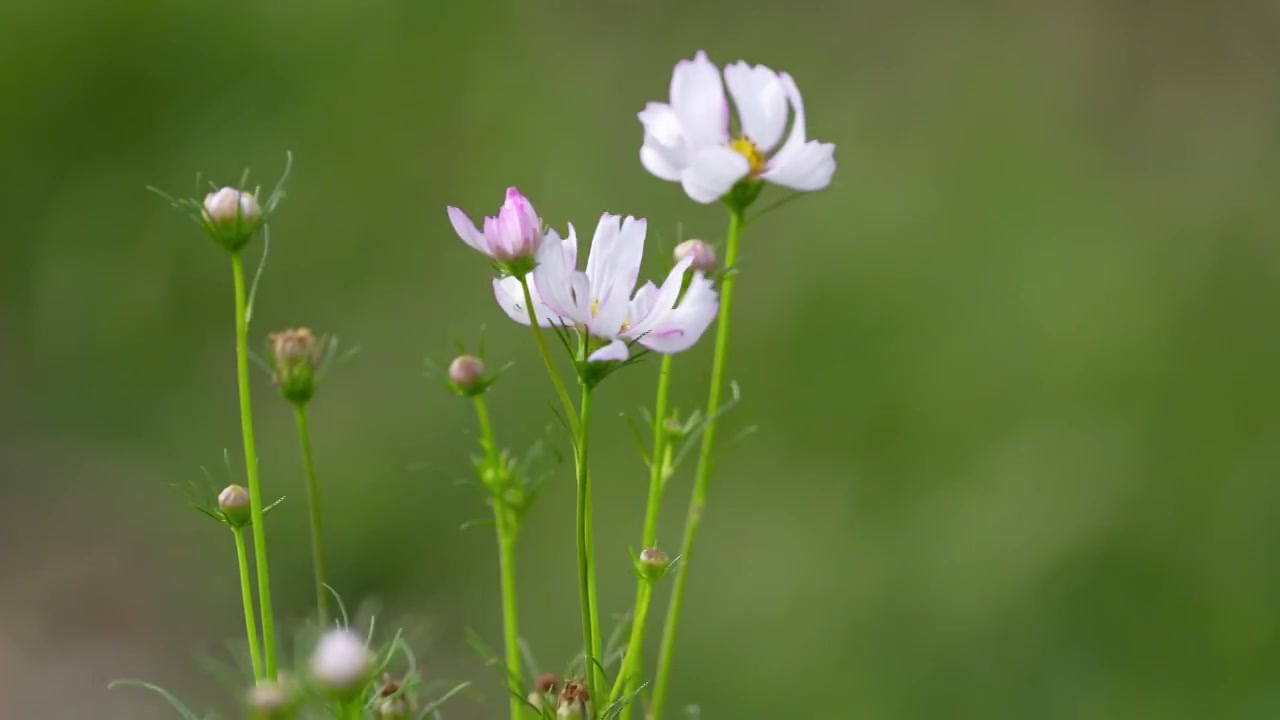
(654, 563)
(467, 375)
(296, 356)
(341, 662)
(231, 216)
(233, 501)
(271, 700)
(701, 254)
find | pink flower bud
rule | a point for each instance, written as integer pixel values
(702, 255)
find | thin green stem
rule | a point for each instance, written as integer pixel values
(703, 474)
(507, 529)
(251, 472)
(246, 596)
(565, 401)
(628, 675)
(586, 580)
(659, 470)
(313, 505)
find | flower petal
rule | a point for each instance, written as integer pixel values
(761, 100)
(642, 304)
(712, 172)
(612, 269)
(800, 164)
(466, 229)
(554, 276)
(616, 351)
(510, 297)
(660, 301)
(679, 329)
(697, 97)
(808, 168)
(665, 150)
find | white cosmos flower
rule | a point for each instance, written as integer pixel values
(604, 300)
(688, 139)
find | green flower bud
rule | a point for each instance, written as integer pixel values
(296, 356)
(231, 217)
(653, 563)
(233, 501)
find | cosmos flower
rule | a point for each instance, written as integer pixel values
(604, 300)
(512, 237)
(689, 139)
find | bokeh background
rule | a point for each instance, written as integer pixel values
(1014, 374)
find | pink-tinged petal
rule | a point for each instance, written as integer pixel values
(678, 330)
(713, 171)
(697, 97)
(466, 229)
(661, 301)
(616, 351)
(523, 210)
(761, 99)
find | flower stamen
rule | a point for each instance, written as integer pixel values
(755, 158)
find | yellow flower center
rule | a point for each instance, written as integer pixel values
(747, 149)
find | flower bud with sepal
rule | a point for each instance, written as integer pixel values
(233, 503)
(296, 358)
(702, 255)
(231, 216)
(468, 376)
(652, 564)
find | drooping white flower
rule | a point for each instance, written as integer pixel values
(341, 661)
(688, 140)
(512, 236)
(604, 300)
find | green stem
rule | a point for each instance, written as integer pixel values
(313, 505)
(659, 471)
(703, 473)
(251, 471)
(628, 678)
(586, 573)
(565, 401)
(246, 596)
(507, 529)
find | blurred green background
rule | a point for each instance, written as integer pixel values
(1015, 372)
